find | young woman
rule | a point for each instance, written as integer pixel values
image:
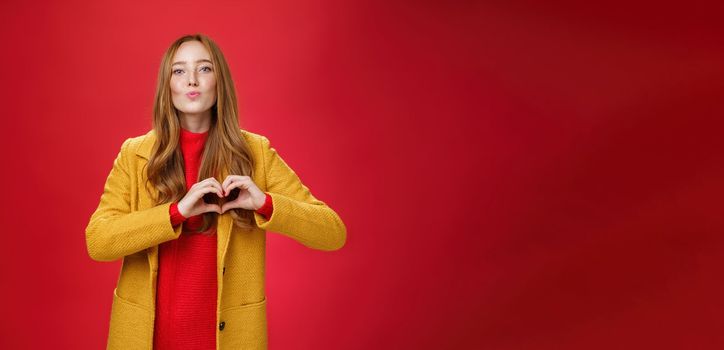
(187, 205)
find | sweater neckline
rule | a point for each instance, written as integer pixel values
(187, 135)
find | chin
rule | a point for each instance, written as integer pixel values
(192, 110)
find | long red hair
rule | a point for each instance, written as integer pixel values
(225, 147)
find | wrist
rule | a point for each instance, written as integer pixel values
(181, 211)
(176, 216)
(260, 201)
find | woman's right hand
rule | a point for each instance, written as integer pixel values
(193, 204)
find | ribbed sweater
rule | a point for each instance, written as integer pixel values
(186, 285)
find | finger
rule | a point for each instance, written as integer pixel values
(201, 183)
(232, 178)
(214, 184)
(217, 186)
(211, 180)
(230, 186)
(238, 182)
(204, 189)
(228, 179)
(227, 185)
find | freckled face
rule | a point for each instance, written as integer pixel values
(192, 71)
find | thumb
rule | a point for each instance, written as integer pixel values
(213, 207)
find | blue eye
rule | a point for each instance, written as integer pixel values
(176, 70)
(209, 68)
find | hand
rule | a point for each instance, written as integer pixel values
(250, 196)
(192, 203)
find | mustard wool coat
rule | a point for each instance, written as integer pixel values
(127, 225)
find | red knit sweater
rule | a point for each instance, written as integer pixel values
(187, 286)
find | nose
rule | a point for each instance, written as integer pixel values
(192, 80)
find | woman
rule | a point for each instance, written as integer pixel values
(187, 206)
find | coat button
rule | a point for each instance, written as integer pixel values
(221, 326)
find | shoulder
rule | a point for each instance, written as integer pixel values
(253, 137)
(259, 145)
(255, 140)
(138, 143)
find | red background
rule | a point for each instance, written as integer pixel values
(536, 175)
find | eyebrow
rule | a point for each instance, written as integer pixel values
(184, 62)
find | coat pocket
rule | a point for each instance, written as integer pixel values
(130, 325)
(243, 327)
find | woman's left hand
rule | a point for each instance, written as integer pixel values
(250, 196)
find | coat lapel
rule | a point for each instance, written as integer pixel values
(224, 225)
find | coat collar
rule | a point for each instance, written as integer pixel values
(146, 146)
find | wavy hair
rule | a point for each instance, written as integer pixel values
(225, 148)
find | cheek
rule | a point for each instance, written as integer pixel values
(211, 89)
(211, 84)
(212, 96)
(176, 87)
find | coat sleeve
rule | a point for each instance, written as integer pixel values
(297, 213)
(115, 231)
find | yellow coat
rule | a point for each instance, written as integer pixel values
(127, 225)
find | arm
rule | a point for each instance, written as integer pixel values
(297, 213)
(113, 230)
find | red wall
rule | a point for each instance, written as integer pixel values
(537, 175)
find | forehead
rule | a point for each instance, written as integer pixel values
(191, 51)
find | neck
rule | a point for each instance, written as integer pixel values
(196, 122)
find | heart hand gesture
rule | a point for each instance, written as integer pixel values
(192, 204)
(250, 196)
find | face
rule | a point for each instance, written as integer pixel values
(193, 80)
